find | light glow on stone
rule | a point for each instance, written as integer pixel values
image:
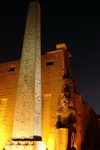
(40, 145)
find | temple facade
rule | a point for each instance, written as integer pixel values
(67, 121)
(40, 107)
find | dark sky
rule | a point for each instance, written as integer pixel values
(76, 24)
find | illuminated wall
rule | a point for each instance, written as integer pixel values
(8, 85)
(54, 65)
(52, 84)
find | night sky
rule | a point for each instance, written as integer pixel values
(76, 24)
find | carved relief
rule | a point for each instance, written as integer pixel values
(28, 101)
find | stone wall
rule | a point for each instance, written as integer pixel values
(55, 70)
(8, 85)
(52, 83)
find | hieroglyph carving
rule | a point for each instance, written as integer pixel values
(27, 118)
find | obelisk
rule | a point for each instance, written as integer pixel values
(27, 118)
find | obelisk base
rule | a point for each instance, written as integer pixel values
(25, 145)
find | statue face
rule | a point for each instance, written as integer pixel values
(63, 104)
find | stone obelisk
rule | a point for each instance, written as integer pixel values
(27, 118)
